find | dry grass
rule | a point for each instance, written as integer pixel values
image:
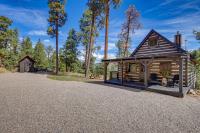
(68, 77)
(198, 92)
(3, 70)
(71, 77)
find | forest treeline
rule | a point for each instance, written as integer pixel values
(65, 57)
(12, 50)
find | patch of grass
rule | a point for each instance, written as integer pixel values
(3, 70)
(71, 77)
(68, 77)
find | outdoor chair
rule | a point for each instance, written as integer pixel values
(174, 81)
(154, 78)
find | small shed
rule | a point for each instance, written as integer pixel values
(26, 64)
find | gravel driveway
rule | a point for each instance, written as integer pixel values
(32, 103)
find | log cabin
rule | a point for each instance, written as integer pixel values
(157, 64)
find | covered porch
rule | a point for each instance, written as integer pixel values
(163, 74)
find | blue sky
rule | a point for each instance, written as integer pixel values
(165, 16)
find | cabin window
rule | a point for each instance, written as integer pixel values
(134, 68)
(165, 67)
(153, 41)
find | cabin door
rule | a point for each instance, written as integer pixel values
(142, 73)
(26, 66)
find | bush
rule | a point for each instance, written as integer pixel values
(2, 70)
(198, 80)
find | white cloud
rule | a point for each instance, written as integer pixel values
(111, 46)
(162, 4)
(111, 56)
(27, 17)
(20, 39)
(99, 56)
(47, 40)
(81, 57)
(37, 33)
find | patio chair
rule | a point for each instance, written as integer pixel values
(174, 81)
(154, 78)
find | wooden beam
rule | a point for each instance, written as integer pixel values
(105, 71)
(122, 71)
(145, 64)
(181, 76)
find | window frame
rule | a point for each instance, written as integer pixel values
(137, 68)
(166, 64)
(152, 38)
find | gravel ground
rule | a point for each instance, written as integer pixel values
(32, 103)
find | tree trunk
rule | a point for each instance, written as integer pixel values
(107, 10)
(66, 67)
(90, 46)
(57, 47)
(127, 39)
(86, 56)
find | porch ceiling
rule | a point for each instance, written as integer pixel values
(150, 57)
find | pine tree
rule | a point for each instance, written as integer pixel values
(49, 52)
(26, 47)
(107, 4)
(96, 8)
(4, 31)
(120, 49)
(40, 55)
(132, 23)
(9, 44)
(71, 49)
(85, 26)
(57, 18)
(53, 61)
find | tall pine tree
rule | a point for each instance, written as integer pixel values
(131, 24)
(57, 18)
(26, 47)
(97, 20)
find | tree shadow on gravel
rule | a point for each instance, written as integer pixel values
(116, 86)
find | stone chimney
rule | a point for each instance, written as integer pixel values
(178, 39)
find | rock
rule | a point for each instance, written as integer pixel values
(191, 91)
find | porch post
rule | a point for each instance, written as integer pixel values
(122, 65)
(105, 71)
(181, 76)
(145, 74)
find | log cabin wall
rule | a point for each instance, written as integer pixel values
(154, 67)
(120, 70)
(133, 72)
(163, 47)
(191, 75)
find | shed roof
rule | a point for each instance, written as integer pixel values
(31, 59)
